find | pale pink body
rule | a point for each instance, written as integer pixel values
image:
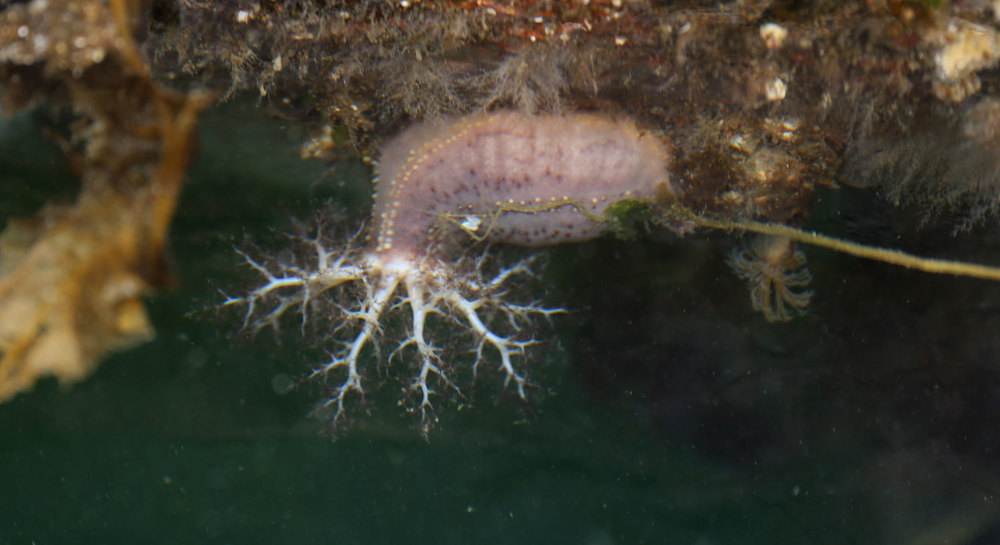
(519, 178)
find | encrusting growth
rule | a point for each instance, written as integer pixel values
(504, 177)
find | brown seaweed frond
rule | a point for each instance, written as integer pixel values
(71, 278)
(776, 273)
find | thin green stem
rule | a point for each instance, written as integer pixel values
(885, 255)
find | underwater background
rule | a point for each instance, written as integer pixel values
(673, 413)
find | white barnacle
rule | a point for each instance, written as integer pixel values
(773, 35)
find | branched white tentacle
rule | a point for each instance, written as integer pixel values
(430, 363)
(505, 346)
(462, 292)
(370, 315)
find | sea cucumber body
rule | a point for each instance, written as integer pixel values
(519, 178)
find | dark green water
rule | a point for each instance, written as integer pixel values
(676, 415)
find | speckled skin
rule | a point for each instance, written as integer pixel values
(505, 174)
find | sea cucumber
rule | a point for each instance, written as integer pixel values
(503, 177)
(510, 171)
